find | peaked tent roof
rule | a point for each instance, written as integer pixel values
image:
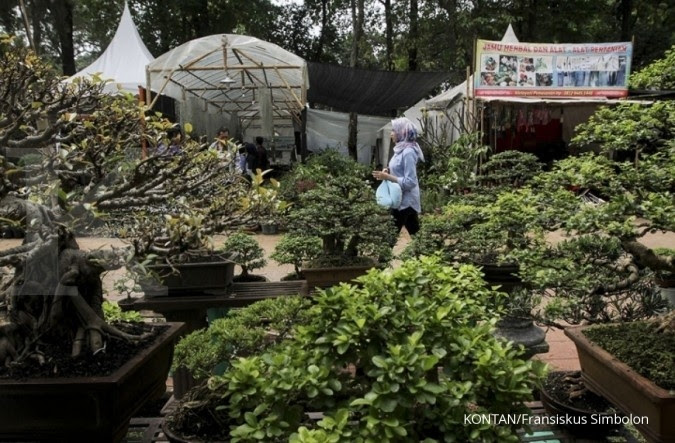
(445, 99)
(368, 91)
(124, 59)
(229, 72)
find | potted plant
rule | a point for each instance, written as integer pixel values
(296, 250)
(269, 206)
(93, 167)
(632, 171)
(240, 333)
(340, 209)
(404, 355)
(245, 251)
(492, 230)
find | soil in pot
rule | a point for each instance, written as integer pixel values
(292, 277)
(249, 278)
(59, 363)
(565, 396)
(638, 345)
(200, 421)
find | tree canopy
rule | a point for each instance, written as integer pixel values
(399, 35)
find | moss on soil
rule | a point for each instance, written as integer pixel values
(638, 345)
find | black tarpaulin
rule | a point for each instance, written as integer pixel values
(368, 92)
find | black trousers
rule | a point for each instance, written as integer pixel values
(406, 217)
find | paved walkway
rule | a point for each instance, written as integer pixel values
(562, 353)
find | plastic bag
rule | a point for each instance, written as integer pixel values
(389, 194)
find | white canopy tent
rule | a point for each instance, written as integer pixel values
(230, 78)
(124, 60)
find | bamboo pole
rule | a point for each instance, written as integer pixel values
(148, 91)
(475, 55)
(144, 142)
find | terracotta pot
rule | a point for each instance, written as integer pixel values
(632, 393)
(327, 277)
(87, 409)
(191, 279)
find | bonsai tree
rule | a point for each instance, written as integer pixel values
(93, 164)
(404, 356)
(341, 210)
(243, 332)
(296, 250)
(266, 199)
(245, 251)
(633, 171)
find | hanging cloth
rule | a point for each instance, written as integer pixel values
(266, 112)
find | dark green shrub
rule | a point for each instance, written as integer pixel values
(405, 356)
(242, 332)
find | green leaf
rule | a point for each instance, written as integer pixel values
(379, 361)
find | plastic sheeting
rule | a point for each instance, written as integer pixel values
(227, 72)
(124, 59)
(326, 129)
(266, 113)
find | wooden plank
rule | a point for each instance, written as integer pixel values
(236, 296)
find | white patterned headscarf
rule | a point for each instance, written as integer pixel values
(405, 135)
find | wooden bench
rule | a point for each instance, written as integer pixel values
(191, 309)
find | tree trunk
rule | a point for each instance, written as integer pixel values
(389, 35)
(353, 128)
(63, 22)
(322, 36)
(625, 12)
(357, 18)
(413, 35)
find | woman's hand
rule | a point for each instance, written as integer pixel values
(383, 175)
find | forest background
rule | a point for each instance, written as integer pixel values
(404, 35)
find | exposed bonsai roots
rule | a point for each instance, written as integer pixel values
(666, 323)
(71, 308)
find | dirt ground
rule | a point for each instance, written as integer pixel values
(561, 356)
(272, 270)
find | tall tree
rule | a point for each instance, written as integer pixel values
(389, 35)
(413, 35)
(357, 7)
(62, 12)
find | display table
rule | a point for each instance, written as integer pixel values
(191, 309)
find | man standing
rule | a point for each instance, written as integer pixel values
(263, 163)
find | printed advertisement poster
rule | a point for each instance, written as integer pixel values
(552, 70)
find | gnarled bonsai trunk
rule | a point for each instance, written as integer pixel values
(56, 290)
